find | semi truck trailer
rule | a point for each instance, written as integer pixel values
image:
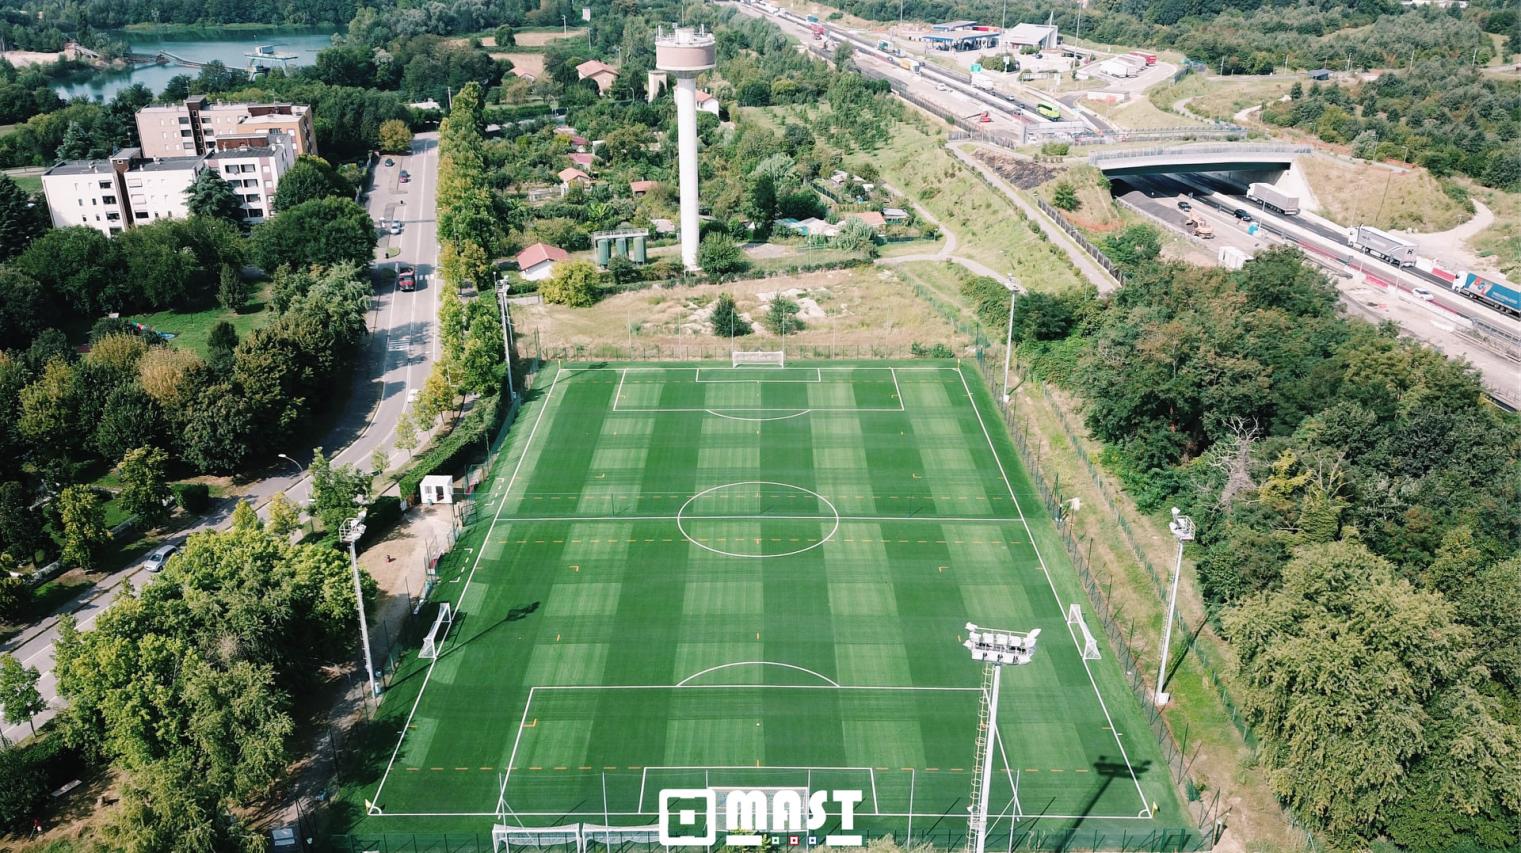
(1274, 198)
(1381, 244)
(1502, 297)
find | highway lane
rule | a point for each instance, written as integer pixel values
(399, 355)
(1369, 292)
(1331, 242)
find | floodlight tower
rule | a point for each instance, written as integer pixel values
(684, 52)
(994, 650)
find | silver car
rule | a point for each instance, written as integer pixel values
(156, 560)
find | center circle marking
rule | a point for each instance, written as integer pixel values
(681, 517)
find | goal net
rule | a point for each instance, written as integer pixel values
(435, 639)
(757, 357)
(1090, 645)
(504, 837)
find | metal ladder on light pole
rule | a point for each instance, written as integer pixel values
(987, 707)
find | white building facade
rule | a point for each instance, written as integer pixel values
(254, 174)
(113, 195)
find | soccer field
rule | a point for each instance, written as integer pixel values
(715, 577)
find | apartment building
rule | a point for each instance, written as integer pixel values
(130, 189)
(114, 194)
(198, 126)
(254, 173)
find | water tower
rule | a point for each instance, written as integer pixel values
(684, 52)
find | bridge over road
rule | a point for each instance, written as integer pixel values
(1219, 157)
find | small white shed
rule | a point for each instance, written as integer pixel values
(437, 489)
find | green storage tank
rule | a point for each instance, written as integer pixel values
(602, 252)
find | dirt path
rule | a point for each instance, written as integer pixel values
(947, 251)
(1452, 244)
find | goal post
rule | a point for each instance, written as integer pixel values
(758, 358)
(1090, 645)
(435, 638)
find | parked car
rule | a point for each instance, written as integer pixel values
(1184, 205)
(383, 224)
(405, 178)
(396, 227)
(1243, 215)
(1423, 294)
(406, 279)
(390, 162)
(156, 560)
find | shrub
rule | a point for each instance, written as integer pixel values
(919, 350)
(574, 283)
(1055, 149)
(192, 497)
(781, 317)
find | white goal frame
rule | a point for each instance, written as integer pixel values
(1090, 645)
(758, 358)
(434, 641)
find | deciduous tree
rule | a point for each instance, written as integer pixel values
(18, 692)
(210, 195)
(574, 283)
(144, 485)
(83, 521)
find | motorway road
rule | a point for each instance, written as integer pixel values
(1371, 292)
(399, 356)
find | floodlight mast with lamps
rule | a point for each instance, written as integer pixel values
(351, 531)
(1182, 527)
(994, 649)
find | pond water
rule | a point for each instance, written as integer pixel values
(226, 46)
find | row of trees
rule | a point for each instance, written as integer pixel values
(1355, 497)
(469, 232)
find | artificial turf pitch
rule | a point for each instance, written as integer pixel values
(694, 576)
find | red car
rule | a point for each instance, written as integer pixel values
(406, 280)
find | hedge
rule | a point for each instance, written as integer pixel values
(446, 454)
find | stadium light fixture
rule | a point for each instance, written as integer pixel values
(994, 649)
(1182, 528)
(351, 531)
(503, 286)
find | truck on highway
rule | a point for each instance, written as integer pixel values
(1196, 226)
(913, 65)
(1381, 244)
(982, 81)
(816, 29)
(812, 19)
(1505, 298)
(1273, 198)
(1144, 56)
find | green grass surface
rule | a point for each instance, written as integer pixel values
(689, 577)
(191, 329)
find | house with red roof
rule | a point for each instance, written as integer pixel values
(570, 176)
(599, 72)
(706, 102)
(639, 188)
(537, 262)
(583, 160)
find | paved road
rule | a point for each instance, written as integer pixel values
(399, 356)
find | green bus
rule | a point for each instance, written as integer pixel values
(1048, 110)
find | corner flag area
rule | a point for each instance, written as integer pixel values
(721, 577)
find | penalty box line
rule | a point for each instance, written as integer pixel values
(623, 373)
(533, 691)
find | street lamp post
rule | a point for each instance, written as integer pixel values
(350, 531)
(994, 649)
(1183, 528)
(299, 466)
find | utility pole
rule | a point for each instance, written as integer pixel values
(501, 304)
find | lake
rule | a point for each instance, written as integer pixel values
(228, 47)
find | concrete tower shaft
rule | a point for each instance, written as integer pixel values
(684, 52)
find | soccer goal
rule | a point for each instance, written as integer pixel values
(1090, 645)
(435, 639)
(758, 358)
(504, 838)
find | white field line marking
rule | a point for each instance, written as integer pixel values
(741, 418)
(751, 686)
(795, 409)
(622, 375)
(819, 675)
(818, 377)
(513, 756)
(897, 389)
(865, 519)
(599, 813)
(1060, 607)
(527, 447)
